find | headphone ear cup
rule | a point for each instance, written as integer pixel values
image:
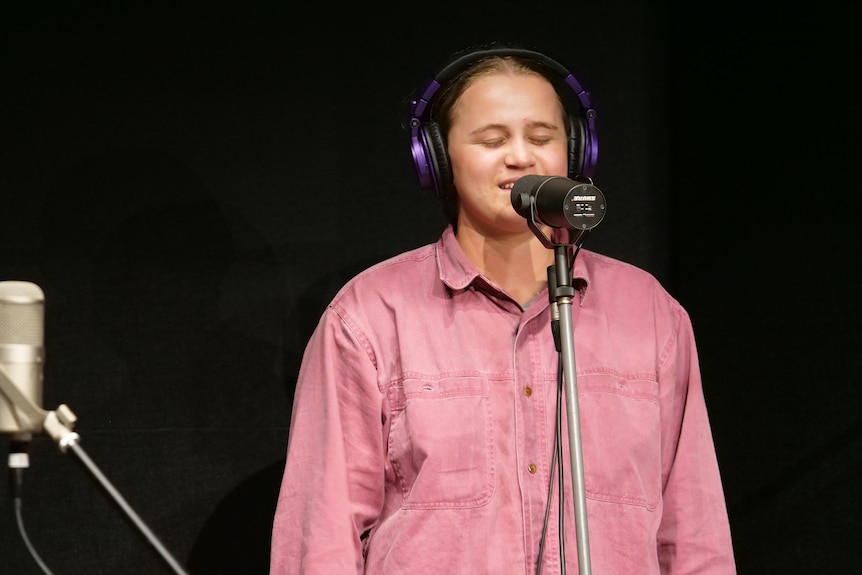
(577, 150)
(438, 160)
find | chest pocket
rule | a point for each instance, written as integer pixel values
(441, 442)
(621, 435)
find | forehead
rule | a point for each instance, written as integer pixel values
(508, 95)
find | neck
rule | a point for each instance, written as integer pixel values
(517, 263)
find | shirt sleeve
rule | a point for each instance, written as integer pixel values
(694, 535)
(332, 487)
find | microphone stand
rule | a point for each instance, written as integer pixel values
(563, 293)
(59, 425)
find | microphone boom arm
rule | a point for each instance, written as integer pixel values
(58, 424)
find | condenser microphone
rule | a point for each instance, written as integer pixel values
(22, 323)
(559, 202)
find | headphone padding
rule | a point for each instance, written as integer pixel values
(439, 160)
(577, 138)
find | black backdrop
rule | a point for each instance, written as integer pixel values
(190, 185)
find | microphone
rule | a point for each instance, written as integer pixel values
(559, 202)
(22, 313)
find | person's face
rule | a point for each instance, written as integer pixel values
(504, 126)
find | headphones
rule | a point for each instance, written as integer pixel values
(429, 149)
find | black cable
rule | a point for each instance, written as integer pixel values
(556, 472)
(19, 518)
(19, 460)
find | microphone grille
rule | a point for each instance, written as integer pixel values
(22, 313)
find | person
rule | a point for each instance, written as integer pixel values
(425, 421)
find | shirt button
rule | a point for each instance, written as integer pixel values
(528, 391)
(531, 468)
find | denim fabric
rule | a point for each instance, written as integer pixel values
(423, 426)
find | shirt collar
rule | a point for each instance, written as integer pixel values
(455, 268)
(458, 272)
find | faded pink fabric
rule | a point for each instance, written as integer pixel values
(427, 397)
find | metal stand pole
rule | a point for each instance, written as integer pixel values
(563, 295)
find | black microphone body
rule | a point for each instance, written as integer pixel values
(22, 326)
(559, 202)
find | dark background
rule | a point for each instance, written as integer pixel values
(189, 185)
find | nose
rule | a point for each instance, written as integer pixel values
(519, 154)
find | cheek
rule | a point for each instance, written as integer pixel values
(465, 164)
(556, 161)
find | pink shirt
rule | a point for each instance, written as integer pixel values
(423, 428)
